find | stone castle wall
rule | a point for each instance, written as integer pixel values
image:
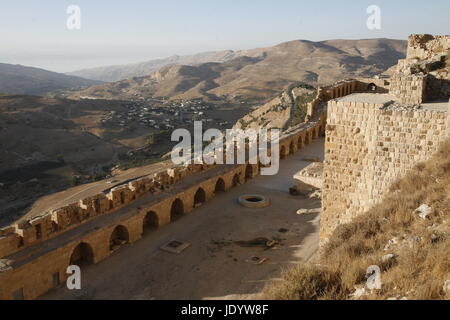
(408, 89)
(368, 146)
(372, 141)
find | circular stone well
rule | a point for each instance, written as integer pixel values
(254, 201)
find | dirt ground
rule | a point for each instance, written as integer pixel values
(216, 265)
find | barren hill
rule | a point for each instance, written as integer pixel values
(260, 74)
(122, 72)
(17, 79)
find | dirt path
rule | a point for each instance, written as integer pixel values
(215, 266)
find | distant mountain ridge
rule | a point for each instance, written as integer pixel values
(122, 72)
(18, 79)
(258, 74)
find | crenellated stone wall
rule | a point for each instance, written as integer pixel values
(51, 224)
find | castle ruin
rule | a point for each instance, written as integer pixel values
(376, 129)
(373, 139)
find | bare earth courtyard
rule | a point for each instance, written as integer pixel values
(217, 265)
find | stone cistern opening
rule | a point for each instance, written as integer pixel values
(254, 201)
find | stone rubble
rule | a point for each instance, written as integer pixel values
(423, 211)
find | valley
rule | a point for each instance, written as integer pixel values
(50, 144)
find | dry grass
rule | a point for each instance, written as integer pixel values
(422, 253)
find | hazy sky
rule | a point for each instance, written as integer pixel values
(34, 33)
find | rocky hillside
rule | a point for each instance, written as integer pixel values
(406, 236)
(260, 74)
(17, 79)
(287, 109)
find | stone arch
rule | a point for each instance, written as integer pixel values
(220, 186)
(307, 138)
(292, 147)
(236, 180)
(119, 237)
(176, 210)
(82, 255)
(150, 222)
(248, 172)
(199, 197)
(372, 87)
(283, 152)
(300, 143)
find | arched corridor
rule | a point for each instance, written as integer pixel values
(177, 210)
(151, 222)
(236, 181)
(300, 143)
(248, 172)
(200, 197)
(283, 152)
(291, 148)
(119, 237)
(307, 138)
(220, 186)
(82, 255)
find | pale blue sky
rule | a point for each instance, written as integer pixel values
(115, 32)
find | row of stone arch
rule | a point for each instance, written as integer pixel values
(300, 142)
(342, 90)
(102, 238)
(83, 253)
